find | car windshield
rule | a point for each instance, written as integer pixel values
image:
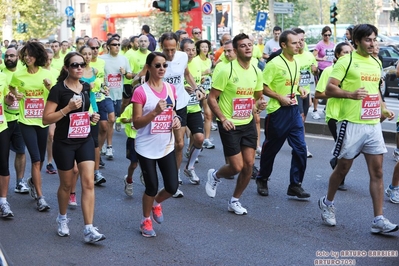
(389, 52)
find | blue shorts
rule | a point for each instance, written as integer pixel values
(105, 107)
(117, 107)
(131, 151)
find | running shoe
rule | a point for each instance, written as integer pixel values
(5, 210)
(42, 205)
(99, 179)
(214, 127)
(50, 169)
(118, 127)
(128, 187)
(32, 189)
(92, 235)
(102, 164)
(383, 226)
(207, 144)
(236, 207)
(327, 212)
(211, 184)
(179, 178)
(297, 191)
(392, 194)
(396, 155)
(157, 214)
(308, 154)
(258, 152)
(192, 176)
(146, 228)
(63, 229)
(109, 153)
(21, 188)
(178, 194)
(72, 200)
(104, 149)
(315, 115)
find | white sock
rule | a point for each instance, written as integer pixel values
(379, 217)
(155, 203)
(3, 200)
(62, 217)
(88, 226)
(234, 199)
(327, 202)
(144, 218)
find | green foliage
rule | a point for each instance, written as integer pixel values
(356, 11)
(161, 22)
(40, 16)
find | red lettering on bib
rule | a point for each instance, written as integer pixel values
(162, 123)
(34, 107)
(292, 98)
(242, 108)
(371, 107)
(79, 125)
(114, 81)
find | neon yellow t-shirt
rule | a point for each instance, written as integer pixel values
(3, 92)
(279, 79)
(100, 66)
(332, 106)
(237, 91)
(256, 52)
(128, 113)
(305, 61)
(10, 113)
(138, 60)
(223, 58)
(31, 106)
(57, 63)
(364, 72)
(195, 71)
(128, 55)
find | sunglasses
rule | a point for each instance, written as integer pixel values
(95, 47)
(115, 44)
(161, 65)
(77, 65)
(327, 35)
(198, 32)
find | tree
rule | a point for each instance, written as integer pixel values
(356, 11)
(41, 16)
(161, 22)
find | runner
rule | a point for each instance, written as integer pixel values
(67, 106)
(154, 116)
(283, 121)
(237, 85)
(31, 85)
(359, 124)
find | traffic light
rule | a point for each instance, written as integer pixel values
(163, 5)
(19, 27)
(187, 5)
(333, 14)
(73, 24)
(24, 28)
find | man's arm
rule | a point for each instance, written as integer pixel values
(333, 90)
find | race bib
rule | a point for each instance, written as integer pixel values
(1, 114)
(330, 55)
(292, 97)
(162, 123)
(79, 125)
(305, 78)
(173, 80)
(242, 108)
(34, 107)
(371, 107)
(207, 83)
(114, 81)
(193, 99)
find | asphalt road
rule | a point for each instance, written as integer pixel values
(198, 230)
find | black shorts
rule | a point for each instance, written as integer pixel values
(303, 104)
(195, 122)
(66, 154)
(245, 135)
(16, 139)
(127, 91)
(4, 152)
(94, 133)
(183, 114)
(131, 151)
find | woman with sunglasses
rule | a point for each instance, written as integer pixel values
(154, 117)
(68, 106)
(324, 53)
(31, 86)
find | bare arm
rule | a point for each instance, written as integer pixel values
(332, 90)
(271, 94)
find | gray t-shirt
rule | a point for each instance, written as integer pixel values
(271, 46)
(113, 75)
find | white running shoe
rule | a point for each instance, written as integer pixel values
(5, 210)
(32, 189)
(192, 176)
(207, 144)
(383, 226)
(109, 153)
(327, 213)
(308, 154)
(211, 184)
(104, 149)
(92, 235)
(236, 207)
(63, 229)
(393, 194)
(178, 194)
(396, 155)
(128, 187)
(315, 115)
(21, 188)
(42, 205)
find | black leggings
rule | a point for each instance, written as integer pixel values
(168, 168)
(4, 152)
(35, 138)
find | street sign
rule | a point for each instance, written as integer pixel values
(207, 8)
(69, 11)
(260, 23)
(283, 8)
(207, 20)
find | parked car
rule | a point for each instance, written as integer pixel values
(389, 54)
(391, 81)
